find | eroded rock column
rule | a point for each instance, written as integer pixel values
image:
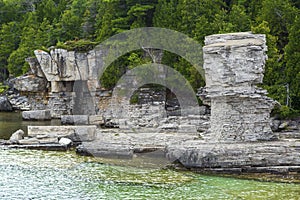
(234, 64)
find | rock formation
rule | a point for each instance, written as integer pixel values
(72, 79)
(30, 83)
(234, 64)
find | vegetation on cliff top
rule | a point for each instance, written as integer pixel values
(26, 25)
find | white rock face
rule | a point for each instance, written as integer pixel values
(73, 79)
(233, 64)
(62, 65)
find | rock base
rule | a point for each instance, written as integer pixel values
(246, 157)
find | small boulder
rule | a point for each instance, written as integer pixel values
(5, 104)
(65, 141)
(284, 125)
(275, 125)
(16, 136)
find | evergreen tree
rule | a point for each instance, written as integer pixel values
(104, 21)
(9, 41)
(274, 79)
(166, 15)
(26, 25)
(239, 19)
(34, 36)
(280, 15)
(292, 58)
(72, 21)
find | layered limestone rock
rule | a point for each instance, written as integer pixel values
(30, 83)
(73, 79)
(62, 67)
(234, 64)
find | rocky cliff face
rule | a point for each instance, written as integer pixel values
(62, 66)
(67, 79)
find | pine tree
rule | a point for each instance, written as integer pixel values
(280, 15)
(9, 41)
(274, 79)
(72, 20)
(166, 15)
(292, 58)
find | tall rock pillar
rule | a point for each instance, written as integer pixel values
(234, 64)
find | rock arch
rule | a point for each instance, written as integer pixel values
(154, 74)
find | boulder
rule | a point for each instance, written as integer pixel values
(36, 115)
(29, 141)
(30, 83)
(65, 141)
(284, 125)
(5, 104)
(275, 124)
(16, 136)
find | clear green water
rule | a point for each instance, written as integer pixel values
(27, 174)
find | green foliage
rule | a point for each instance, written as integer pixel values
(135, 59)
(285, 112)
(3, 88)
(292, 59)
(16, 61)
(9, 41)
(77, 45)
(280, 14)
(80, 25)
(134, 98)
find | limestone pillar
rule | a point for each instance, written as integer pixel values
(234, 64)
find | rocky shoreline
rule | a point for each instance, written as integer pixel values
(232, 134)
(192, 152)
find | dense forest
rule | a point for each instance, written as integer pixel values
(26, 25)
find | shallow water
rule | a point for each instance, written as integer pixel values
(12, 121)
(28, 174)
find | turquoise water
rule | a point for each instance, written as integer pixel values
(28, 174)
